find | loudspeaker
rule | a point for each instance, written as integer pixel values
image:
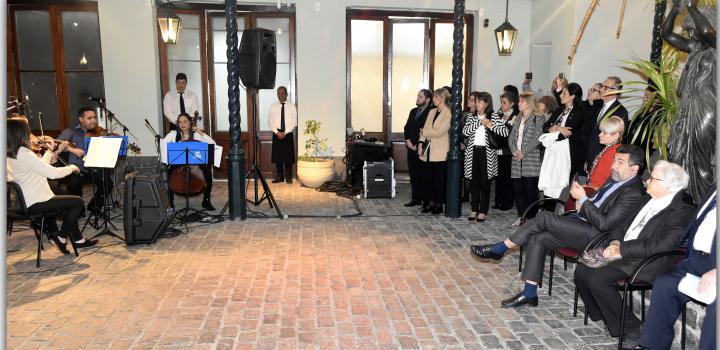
(257, 60)
(379, 179)
(146, 204)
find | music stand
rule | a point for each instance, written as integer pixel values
(97, 157)
(123, 155)
(188, 153)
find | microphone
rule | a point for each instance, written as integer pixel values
(99, 100)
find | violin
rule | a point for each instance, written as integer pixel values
(99, 131)
(188, 180)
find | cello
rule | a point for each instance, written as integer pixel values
(188, 180)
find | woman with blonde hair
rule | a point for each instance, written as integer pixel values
(611, 134)
(527, 155)
(433, 148)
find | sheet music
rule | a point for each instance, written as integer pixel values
(103, 152)
(217, 156)
(163, 151)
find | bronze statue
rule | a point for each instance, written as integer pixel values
(692, 143)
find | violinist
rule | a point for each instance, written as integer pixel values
(187, 132)
(87, 127)
(31, 173)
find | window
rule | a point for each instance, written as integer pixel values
(54, 59)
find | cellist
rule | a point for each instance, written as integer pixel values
(187, 132)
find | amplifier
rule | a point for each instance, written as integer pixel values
(379, 179)
(146, 206)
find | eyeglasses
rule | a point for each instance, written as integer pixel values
(609, 87)
(594, 90)
(651, 178)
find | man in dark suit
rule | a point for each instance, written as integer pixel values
(415, 121)
(610, 107)
(656, 226)
(607, 210)
(666, 302)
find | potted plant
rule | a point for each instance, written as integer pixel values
(314, 167)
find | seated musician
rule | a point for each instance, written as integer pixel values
(31, 172)
(87, 127)
(186, 132)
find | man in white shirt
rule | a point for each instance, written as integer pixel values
(180, 100)
(282, 120)
(656, 226)
(666, 301)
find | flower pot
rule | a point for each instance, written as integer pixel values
(314, 174)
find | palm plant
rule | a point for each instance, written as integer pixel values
(656, 116)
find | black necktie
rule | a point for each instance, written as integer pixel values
(695, 224)
(282, 117)
(603, 190)
(182, 103)
(418, 113)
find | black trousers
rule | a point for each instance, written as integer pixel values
(284, 170)
(415, 172)
(548, 231)
(207, 174)
(602, 300)
(99, 178)
(504, 195)
(479, 185)
(70, 207)
(435, 181)
(666, 304)
(526, 192)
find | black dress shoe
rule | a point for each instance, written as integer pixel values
(427, 209)
(56, 241)
(207, 205)
(288, 180)
(412, 203)
(87, 243)
(484, 252)
(438, 209)
(519, 300)
(278, 180)
(637, 347)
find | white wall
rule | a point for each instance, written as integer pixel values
(128, 35)
(552, 25)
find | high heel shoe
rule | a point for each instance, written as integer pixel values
(56, 241)
(473, 216)
(480, 219)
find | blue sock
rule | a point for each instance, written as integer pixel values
(530, 290)
(499, 248)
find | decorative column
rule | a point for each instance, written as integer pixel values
(657, 39)
(236, 157)
(454, 174)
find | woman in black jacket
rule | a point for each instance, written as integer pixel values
(504, 194)
(569, 120)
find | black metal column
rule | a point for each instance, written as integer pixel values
(452, 200)
(657, 39)
(236, 158)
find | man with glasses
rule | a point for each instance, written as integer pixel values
(610, 107)
(659, 221)
(608, 210)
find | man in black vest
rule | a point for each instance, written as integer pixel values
(415, 121)
(610, 107)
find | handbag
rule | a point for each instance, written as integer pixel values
(495, 141)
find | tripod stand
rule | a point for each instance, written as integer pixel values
(254, 170)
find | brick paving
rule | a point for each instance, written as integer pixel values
(390, 279)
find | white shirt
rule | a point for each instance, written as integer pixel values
(290, 117)
(171, 104)
(706, 231)
(651, 208)
(170, 137)
(564, 116)
(31, 173)
(479, 139)
(605, 108)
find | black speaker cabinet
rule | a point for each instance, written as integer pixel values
(257, 58)
(379, 179)
(146, 204)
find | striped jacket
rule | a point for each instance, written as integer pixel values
(531, 163)
(472, 123)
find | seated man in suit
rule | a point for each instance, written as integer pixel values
(657, 227)
(666, 302)
(607, 210)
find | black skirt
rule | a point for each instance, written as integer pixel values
(283, 151)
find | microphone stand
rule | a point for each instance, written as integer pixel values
(157, 140)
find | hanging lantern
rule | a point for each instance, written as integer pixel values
(505, 35)
(169, 24)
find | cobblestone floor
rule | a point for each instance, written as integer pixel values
(390, 279)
